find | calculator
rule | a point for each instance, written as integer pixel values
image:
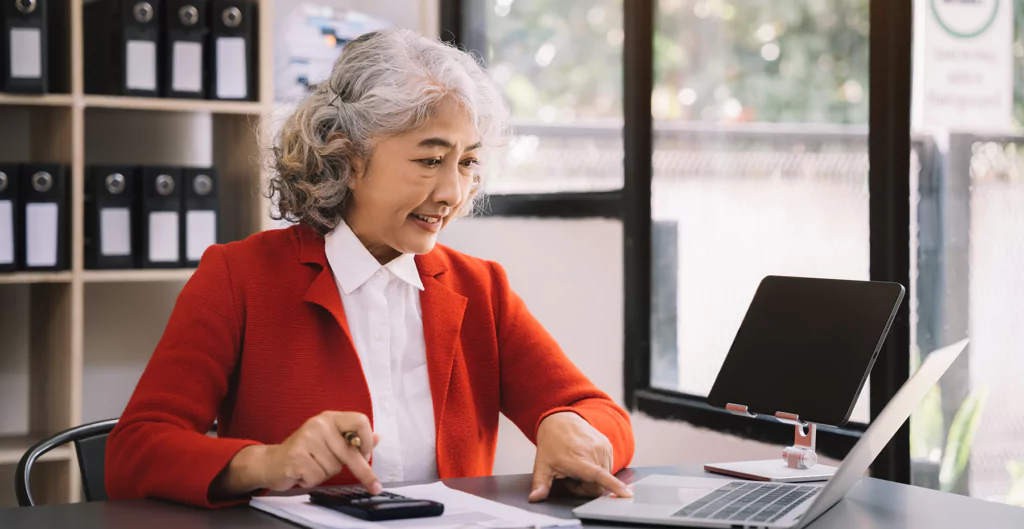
(356, 501)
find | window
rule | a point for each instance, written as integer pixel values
(967, 183)
(559, 66)
(760, 166)
(737, 146)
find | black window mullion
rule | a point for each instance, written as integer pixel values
(571, 205)
(889, 187)
(638, 146)
(451, 22)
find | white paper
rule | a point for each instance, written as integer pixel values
(187, 66)
(115, 232)
(232, 78)
(6, 232)
(461, 510)
(163, 237)
(200, 232)
(26, 53)
(41, 226)
(141, 65)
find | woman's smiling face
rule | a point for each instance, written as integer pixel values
(414, 184)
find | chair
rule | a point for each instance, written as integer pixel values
(90, 445)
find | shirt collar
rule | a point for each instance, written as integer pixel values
(354, 265)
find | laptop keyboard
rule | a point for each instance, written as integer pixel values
(744, 501)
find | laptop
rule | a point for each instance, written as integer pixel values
(711, 502)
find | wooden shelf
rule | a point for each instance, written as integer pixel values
(46, 100)
(137, 276)
(48, 322)
(18, 278)
(12, 448)
(175, 105)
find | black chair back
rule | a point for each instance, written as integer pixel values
(91, 460)
(90, 442)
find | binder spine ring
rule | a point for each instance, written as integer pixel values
(164, 185)
(189, 15)
(26, 6)
(143, 12)
(202, 185)
(115, 183)
(3, 180)
(232, 17)
(42, 181)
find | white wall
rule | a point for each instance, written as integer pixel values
(570, 274)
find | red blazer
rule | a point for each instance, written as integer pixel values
(258, 339)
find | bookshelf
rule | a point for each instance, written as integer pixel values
(253, 108)
(45, 100)
(59, 327)
(35, 277)
(136, 276)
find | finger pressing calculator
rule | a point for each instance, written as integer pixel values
(356, 501)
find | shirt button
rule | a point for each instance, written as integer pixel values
(394, 477)
(379, 337)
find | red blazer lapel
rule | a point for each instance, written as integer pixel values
(443, 310)
(323, 291)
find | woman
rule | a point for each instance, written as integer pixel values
(354, 321)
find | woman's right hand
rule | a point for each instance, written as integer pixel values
(316, 452)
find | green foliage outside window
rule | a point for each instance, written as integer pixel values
(560, 61)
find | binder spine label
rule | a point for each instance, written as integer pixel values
(163, 237)
(6, 232)
(26, 53)
(115, 232)
(187, 65)
(232, 77)
(41, 236)
(140, 73)
(201, 232)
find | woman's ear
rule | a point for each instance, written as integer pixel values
(357, 164)
(358, 171)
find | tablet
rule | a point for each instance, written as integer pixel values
(806, 346)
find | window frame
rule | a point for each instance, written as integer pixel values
(558, 205)
(890, 61)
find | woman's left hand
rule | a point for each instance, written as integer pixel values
(569, 447)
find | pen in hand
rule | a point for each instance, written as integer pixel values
(353, 439)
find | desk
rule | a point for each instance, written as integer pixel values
(872, 504)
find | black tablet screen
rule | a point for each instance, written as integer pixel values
(805, 346)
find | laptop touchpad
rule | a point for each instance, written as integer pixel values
(667, 494)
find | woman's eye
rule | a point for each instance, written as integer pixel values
(431, 162)
(470, 162)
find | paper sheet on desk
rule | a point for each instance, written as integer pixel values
(461, 511)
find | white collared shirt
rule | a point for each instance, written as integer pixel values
(382, 306)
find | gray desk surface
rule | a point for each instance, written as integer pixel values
(872, 504)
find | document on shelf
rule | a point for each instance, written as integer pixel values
(461, 511)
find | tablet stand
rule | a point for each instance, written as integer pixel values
(799, 462)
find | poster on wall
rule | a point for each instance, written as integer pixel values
(309, 37)
(964, 60)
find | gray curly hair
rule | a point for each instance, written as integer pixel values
(383, 83)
